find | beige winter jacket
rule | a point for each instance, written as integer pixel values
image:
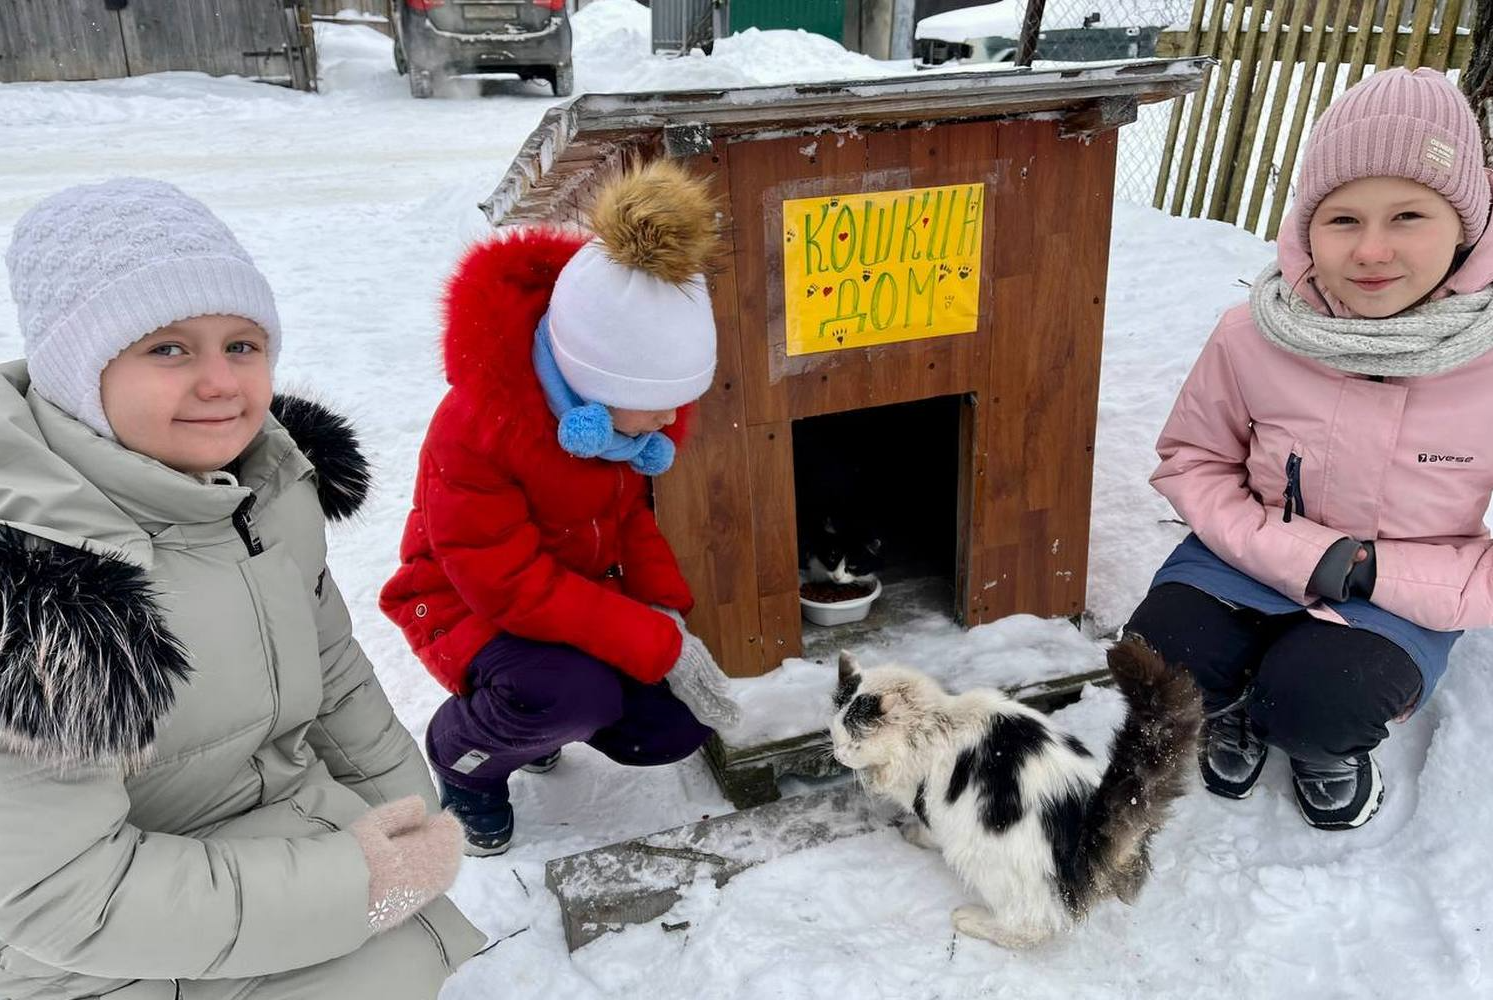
(187, 724)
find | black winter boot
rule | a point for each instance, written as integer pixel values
(1230, 755)
(542, 765)
(1339, 795)
(486, 817)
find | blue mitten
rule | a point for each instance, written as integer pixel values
(656, 457)
(586, 431)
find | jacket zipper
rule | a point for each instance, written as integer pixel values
(243, 523)
(1293, 487)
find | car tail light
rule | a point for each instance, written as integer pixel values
(553, 6)
(421, 6)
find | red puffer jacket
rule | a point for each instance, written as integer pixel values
(509, 533)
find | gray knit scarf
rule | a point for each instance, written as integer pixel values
(1433, 337)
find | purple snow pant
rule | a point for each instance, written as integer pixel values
(529, 699)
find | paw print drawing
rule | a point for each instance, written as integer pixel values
(834, 203)
(964, 270)
(866, 274)
(790, 236)
(812, 290)
(948, 301)
(839, 333)
(944, 271)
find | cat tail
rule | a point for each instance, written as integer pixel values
(1149, 760)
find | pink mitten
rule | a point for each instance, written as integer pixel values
(412, 858)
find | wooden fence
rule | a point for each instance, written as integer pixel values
(267, 40)
(1280, 63)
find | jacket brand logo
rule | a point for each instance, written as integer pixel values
(1432, 457)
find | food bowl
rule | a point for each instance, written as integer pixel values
(840, 612)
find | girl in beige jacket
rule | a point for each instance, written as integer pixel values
(204, 792)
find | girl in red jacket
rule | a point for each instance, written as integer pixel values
(1332, 451)
(534, 583)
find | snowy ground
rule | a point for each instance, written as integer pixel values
(355, 203)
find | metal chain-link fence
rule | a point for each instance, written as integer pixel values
(1103, 30)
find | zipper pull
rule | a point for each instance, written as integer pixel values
(1293, 488)
(243, 523)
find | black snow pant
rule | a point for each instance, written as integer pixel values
(1318, 690)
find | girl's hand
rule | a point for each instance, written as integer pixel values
(412, 858)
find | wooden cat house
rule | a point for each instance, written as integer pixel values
(915, 278)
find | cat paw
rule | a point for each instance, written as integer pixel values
(916, 834)
(976, 921)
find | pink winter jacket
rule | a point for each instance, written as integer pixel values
(1407, 463)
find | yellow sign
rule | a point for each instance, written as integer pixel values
(866, 269)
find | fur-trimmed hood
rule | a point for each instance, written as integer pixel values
(493, 303)
(88, 662)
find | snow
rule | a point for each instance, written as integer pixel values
(1003, 18)
(357, 201)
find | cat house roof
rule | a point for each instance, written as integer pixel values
(587, 138)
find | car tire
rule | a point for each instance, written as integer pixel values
(422, 83)
(562, 80)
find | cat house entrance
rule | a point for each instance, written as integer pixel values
(876, 495)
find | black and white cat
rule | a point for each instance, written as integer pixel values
(1020, 810)
(841, 550)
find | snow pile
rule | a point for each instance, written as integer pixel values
(612, 54)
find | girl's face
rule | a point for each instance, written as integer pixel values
(191, 395)
(1381, 244)
(635, 422)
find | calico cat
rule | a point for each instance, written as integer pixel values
(1020, 809)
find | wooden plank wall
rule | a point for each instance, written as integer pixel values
(1049, 265)
(1031, 369)
(704, 504)
(59, 40)
(209, 36)
(81, 40)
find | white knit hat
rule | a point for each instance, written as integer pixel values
(625, 338)
(94, 268)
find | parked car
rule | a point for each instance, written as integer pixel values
(435, 39)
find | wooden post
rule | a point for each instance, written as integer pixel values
(1031, 27)
(1477, 80)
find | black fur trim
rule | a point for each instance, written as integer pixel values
(87, 664)
(331, 444)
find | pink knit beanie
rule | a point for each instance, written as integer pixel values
(1398, 123)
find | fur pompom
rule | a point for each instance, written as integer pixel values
(658, 218)
(656, 457)
(586, 431)
(87, 664)
(329, 443)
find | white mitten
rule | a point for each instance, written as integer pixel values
(696, 680)
(412, 858)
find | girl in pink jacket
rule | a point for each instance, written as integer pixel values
(1332, 451)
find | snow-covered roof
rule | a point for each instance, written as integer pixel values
(594, 132)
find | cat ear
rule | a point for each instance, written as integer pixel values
(848, 666)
